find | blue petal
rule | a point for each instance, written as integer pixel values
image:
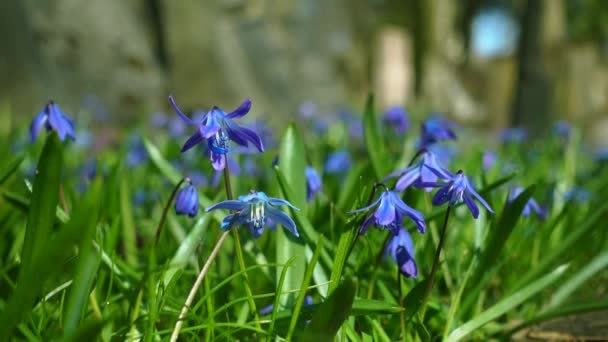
(56, 122)
(37, 124)
(479, 198)
(365, 208)
(228, 205)
(385, 214)
(406, 263)
(194, 140)
(408, 178)
(242, 134)
(218, 161)
(230, 221)
(212, 126)
(442, 195)
(414, 214)
(278, 201)
(182, 115)
(365, 225)
(282, 219)
(468, 200)
(241, 111)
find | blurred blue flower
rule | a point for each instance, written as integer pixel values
(488, 159)
(389, 214)
(397, 117)
(562, 129)
(338, 162)
(254, 210)
(158, 119)
(268, 309)
(218, 129)
(601, 154)
(313, 183)
(176, 127)
(186, 202)
(531, 206)
(419, 174)
(578, 194)
(436, 128)
(52, 118)
(513, 135)
(401, 249)
(458, 189)
(307, 110)
(137, 153)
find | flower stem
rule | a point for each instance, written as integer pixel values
(161, 223)
(239, 253)
(372, 282)
(369, 201)
(402, 313)
(197, 284)
(429, 286)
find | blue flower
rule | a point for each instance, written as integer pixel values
(254, 210)
(420, 173)
(313, 183)
(338, 162)
(562, 129)
(218, 129)
(513, 135)
(52, 118)
(531, 206)
(458, 189)
(401, 249)
(435, 129)
(488, 159)
(578, 194)
(137, 153)
(397, 117)
(390, 213)
(186, 202)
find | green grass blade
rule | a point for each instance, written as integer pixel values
(129, 233)
(292, 164)
(373, 141)
(599, 263)
(331, 314)
(45, 196)
(10, 168)
(506, 304)
(86, 267)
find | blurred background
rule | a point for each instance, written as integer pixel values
(487, 63)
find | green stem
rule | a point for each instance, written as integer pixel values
(402, 313)
(431, 278)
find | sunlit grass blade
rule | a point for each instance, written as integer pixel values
(506, 304)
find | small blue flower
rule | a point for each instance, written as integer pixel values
(397, 117)
(401, 249)
(389, 214)
(313, 183)
(436, 128)
(186, 202)
(137, 153)
(254, 210)
(562, 129)
(218, 129)
(578, 194)
(338, 162)
(531, 206)
(458, 189)
(513, 135)
(420, 173)
(488, 159)
(52, 118)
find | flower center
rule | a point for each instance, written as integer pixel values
(220, 142)
(257, 214)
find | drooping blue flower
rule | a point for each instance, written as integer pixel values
(52, 118)
(531, 206)
(397, 117)
(313, 183)
(436, 128)
(186, 201)
(420, 173)
(389, 214)
(401, 249)
(218, 129)
(338, 162)
(254, 210)
(513, 135)
(458, 189)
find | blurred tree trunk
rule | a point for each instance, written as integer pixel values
(533, 89)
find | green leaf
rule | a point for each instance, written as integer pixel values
(598, 263)
(45, 196)
(373, 141)
(363, 307)
(331, 314)
(347, 238)
(10, 168)
(47, 261)
(88, 331)
(129, 233)
(292, 164)
(86, 267)
(506, 304)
